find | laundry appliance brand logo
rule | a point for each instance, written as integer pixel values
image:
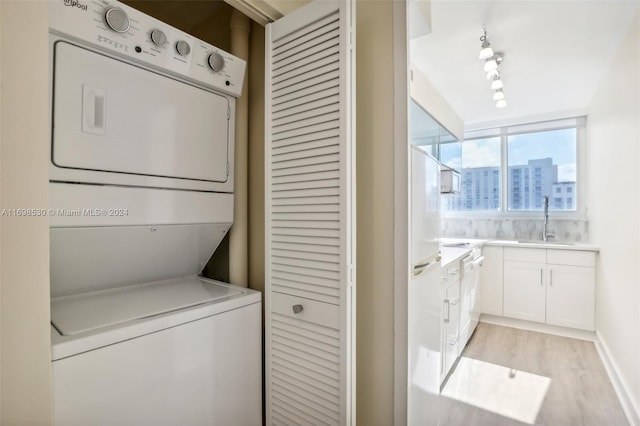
(113, 43)
(75, 3)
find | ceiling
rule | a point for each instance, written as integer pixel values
(556, 53)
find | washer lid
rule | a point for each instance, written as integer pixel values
(84, 312)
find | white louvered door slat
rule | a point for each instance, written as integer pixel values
(291, 115)
(320, 233)
(291, 202)
(311, 31)
(329, 174)
(309, 198)
(306, 102)
(316, 282)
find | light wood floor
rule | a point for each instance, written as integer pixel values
(577, 393)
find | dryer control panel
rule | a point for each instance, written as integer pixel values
(123, 31)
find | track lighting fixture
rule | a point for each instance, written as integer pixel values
(491, 62)
(490, 65)
(485, 51)
(493, 73)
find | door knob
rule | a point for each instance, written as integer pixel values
(297, 309)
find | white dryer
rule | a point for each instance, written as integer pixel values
(141, 194)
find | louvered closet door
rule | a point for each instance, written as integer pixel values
(309, 217)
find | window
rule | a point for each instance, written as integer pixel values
(551, 157)
(477, 160)
(512, 169)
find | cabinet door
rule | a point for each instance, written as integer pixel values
(466, 305)
(476, 294)
(492, 280)
(524, 291)
(309, 209)
(452, 327)
(570, 297)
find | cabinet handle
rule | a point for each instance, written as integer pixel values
(551, 277)
(446, 301)
(297, 309)
(541, 277)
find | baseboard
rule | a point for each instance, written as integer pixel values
(631, 410)
(538, 327)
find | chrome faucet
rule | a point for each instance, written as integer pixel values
(545, 235)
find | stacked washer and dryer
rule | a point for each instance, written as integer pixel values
(141, 195)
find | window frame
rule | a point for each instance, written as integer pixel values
(503, 132)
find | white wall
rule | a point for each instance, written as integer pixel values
(375, 212)
(613, 156)
(25, 376)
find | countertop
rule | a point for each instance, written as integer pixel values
(454, 249)
(525, 244)
(542, 244)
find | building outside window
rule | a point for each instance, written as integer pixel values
(476, 160)
(552, 157)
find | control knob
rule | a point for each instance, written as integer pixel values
(117, 19)
(216, 62)
(158, 38)
(183, 48)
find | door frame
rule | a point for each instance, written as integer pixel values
(402, 210)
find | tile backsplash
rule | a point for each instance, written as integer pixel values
(568, 230)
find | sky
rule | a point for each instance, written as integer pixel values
(560, 145)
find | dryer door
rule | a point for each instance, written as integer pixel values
(117, 123)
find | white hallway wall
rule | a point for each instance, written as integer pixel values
(613, 139)
(375, 212)
(25, 360)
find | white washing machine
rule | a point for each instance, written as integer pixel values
(141, 195)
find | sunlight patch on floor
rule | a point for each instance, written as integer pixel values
(423, 375)
(501, 390)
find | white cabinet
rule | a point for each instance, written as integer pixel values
(492, 280)
(451, 326)
(461, 304)
(571, 297)
(450, 291)
(467, 283)
(470, 298)
(524, 290)
(556, 287)
(476, 296)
